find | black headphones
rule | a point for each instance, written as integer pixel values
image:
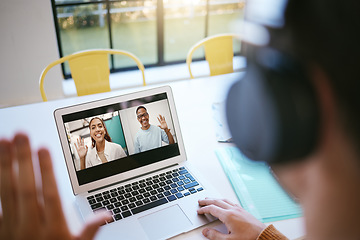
(273, 111)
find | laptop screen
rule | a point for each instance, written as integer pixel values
(116, 138)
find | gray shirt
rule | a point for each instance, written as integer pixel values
(149, 139)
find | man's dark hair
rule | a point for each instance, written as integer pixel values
(327, 33)
(139, 107)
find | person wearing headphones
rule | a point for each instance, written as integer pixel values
(297, 109)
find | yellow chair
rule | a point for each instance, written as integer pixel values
(218, 53)
(90, 70)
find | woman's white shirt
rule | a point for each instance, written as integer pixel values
(112, 152)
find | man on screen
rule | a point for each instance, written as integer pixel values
(151, 136)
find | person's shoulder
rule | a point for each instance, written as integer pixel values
(91, 148)
(112, 144)
(91, 153)
(138, 132)
(115, 147)
(155, 128)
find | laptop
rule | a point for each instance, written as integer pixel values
(146, 184)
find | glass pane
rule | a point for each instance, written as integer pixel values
(226, 16)
(82, 27)
(133, 25)
(184, 25)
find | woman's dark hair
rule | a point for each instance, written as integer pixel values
(107, 136)
(139, 107)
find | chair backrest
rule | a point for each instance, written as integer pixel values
(218, 53)
(90, 70)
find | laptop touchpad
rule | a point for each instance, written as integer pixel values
(165, 223)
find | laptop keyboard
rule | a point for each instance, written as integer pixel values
(130, 199)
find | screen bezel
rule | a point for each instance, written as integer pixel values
(77, 188)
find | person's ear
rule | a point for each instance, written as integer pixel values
(326, 98)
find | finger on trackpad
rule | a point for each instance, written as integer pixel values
(165, 223)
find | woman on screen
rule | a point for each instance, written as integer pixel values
(102, 149)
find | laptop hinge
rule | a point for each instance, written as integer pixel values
(128, 179)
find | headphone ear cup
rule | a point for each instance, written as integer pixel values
(252, 117)
(273, 112)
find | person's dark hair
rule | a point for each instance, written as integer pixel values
(107, 136)
(326, 33)
(139, 107)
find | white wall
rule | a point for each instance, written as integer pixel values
(28, 44)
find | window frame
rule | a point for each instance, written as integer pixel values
(159, 33)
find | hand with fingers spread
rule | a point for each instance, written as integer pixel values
(26, 214)
(163, 125)
(82, 150)
(240, 224)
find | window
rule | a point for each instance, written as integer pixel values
(159, 32)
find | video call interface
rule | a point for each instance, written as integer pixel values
(116, 138)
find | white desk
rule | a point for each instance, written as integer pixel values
(193, 99)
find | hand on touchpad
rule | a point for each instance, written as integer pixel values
(165, 223)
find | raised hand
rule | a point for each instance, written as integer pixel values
(240, 224)
(163, 125)
(30, 211)
(81, 148)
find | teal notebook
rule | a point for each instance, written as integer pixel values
(258, 191)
